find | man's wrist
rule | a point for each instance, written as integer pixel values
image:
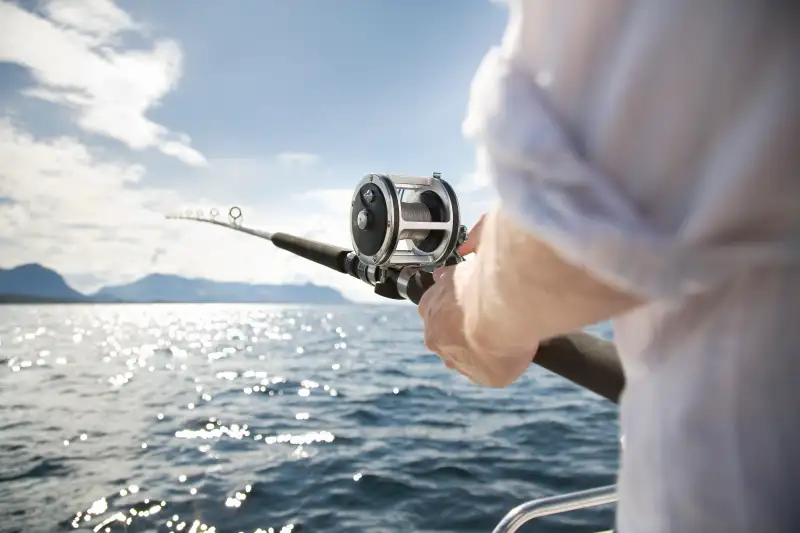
(490, 323)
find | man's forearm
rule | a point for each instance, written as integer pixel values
(522, 292)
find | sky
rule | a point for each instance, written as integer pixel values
(114, 114)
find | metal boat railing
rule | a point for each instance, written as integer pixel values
(562, 503)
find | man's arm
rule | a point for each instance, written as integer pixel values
(528, 293)
(628, 170)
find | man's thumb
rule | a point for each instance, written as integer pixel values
(470, 246)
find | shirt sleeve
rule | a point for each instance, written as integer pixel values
(651, 143)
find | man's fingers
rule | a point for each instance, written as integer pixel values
(478, 223)
(470, 246)
(429, 340)
(440, 272)
(432, 294)
(424, 302)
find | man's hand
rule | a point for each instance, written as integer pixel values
(442, 311)
(470, 246)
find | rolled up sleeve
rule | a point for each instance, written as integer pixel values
(653, 149)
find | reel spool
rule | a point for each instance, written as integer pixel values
(420, 211)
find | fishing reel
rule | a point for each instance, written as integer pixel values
(401, 227)
(401, 224)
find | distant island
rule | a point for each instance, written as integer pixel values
(34, 283)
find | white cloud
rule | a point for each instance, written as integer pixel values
(475, 192)
(64, 195)
(297, 159)
(100, 18)
(89, 216)
(334, 201)
(476, 181)
(473, 182)
(73, 56)
(183, 152)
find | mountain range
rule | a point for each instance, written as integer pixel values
(34, 283)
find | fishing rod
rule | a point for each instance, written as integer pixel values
(401, 229)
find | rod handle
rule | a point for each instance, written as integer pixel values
(418, 283)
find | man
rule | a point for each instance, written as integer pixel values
(647, 163)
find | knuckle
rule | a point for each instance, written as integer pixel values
(424, 304)
(427, 340)
(433, 345)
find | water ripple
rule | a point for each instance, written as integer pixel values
(218, 418)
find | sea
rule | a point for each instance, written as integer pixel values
(277, 419)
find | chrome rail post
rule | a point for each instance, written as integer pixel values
(563, 503)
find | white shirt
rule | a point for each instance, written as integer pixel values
(657, 145)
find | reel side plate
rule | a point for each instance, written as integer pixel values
(374, 213)
(422, 212)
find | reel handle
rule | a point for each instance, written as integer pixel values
(412, 282)
(419, 282)
(422, 280)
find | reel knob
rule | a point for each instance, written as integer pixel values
(420, 212)
(362, 219)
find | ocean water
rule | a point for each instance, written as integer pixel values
(230, 418)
